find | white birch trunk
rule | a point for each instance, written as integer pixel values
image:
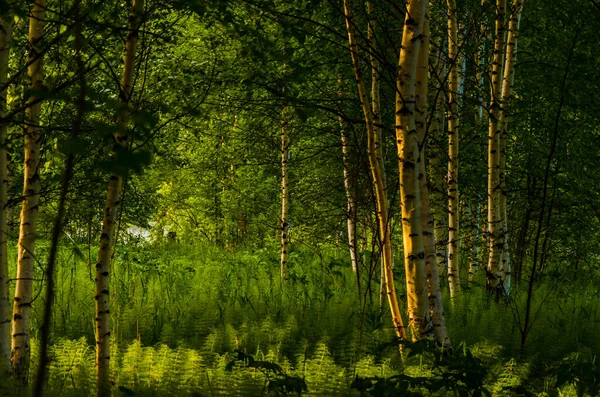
(21, 348)
(103, 265)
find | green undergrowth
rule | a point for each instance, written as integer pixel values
(423, 370)
(182, 313)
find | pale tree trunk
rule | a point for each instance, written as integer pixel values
(376, 164)
(408, 157)
(6, 26)
(382, 284)
(377, 142)
(494, 220)
(350, 189)
(103, 266)
(349, 186)
(507, 86)
(285, 195)
(476, 218)
(480, 64)
(474, 247)
(20, 350)
(234, 233)
(436, 307)
(437, 193)
(228, 243)
(453, 201)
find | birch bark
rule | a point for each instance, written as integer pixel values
(494, 220)
(103, 265)
(436, 307)
(408, 158)
(375, 162)
(453, 138)
(20, 349)
(507, 86)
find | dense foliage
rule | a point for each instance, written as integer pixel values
(220, 89)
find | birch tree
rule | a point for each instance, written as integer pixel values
(436, 180)
(507, 86)
(285, 195)
(378, 137)
(21, 347)
(408, 158)
(376, 166)
(494, 221)
(453, 139)
(474, 246)
(103, 265)
(436, 307)
(350, 190)
(474, 207)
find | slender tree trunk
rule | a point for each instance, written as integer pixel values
(453, 201)
(480, 63)
(484, 69)
(507, 86)
(408, 157)
(436, 307)
(474, 247)
(479, 76)
(103, 266)
(436, 181)
(378, 142)
(58, 221)
(285, 195)
(376, 164)
(226, 223)
(6, 26)
(382, 285)
(375, 91)
(349, 186)
(31, 190)
(496, 242)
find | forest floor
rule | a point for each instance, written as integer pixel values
(196, 321)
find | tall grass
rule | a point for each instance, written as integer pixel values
(180, 311)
